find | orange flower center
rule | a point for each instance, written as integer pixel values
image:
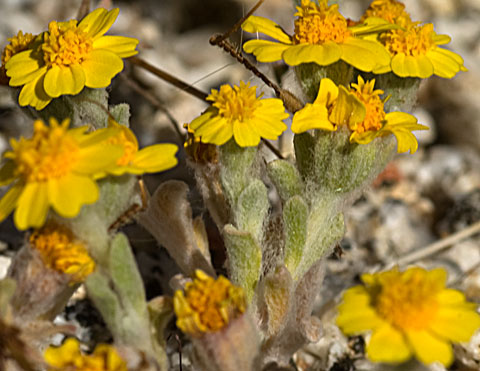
(65, 44)
(211, 303)
(413, 41)
(391, 10)
(317, 24)
(235, 104)
(60, 251)
(50, 153)
(407, 302)
(375, 114)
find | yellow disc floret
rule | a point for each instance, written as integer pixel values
(17, 44)
(375, 114)
(317, 24)
(69, 357)
(407, 300)
(208, 305)
(65, 44)
(49, 154)
(235, 104)
(414, 40)
(61, 251)
(390, 10)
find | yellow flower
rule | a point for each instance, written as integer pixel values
(409, 313)
(208, 305)
(322, 36)
(56, 167)
(17, 44)
(392, 11)
(414, 48)
(152, 159)
(61, 251)
(69, 357)
(69, 58)
(361, 110)
(238, 112)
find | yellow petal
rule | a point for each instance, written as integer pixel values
(100, 67)
(364, 54)
(348, 110)
(388, 345)
(445, 63)
(429, 348)
(9, 200)
(33, 94)
(158, 157)
(355, 313)
(312, 116)
(63, 356)
(401, 125)
(322, 55)
(24, 67)
(69, 193)
(455, 324)
(98, 22)
(265, 51)
(32, 207)
(64, 80)
(120, 45)
(441, 39)
(211, 128)
(97, 158)
(245, 134)
(449, 297)
(363, 138)
(255, 24)
(327, 92)
(409, 66)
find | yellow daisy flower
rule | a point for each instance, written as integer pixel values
(322, 36)
(17, 44)
(152, 159)
(361, 110)
(62, 251)
(410, 313)
(69, 357)
(70, 57)
(56, 167)
(238, 112)
(208, 305)
(414, 48)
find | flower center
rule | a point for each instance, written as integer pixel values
(213, 303)
(65, 44)
(60, 251)
(413, 41)
(49, 154)
(17, 44)
(389, 10)
(407, 302)
(317, 24)
(375, 113)
(235, 104)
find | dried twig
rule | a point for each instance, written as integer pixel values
(437, 246)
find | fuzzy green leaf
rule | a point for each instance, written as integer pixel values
(295, 219)
(251, 209)
(244, 258)
(286, 178)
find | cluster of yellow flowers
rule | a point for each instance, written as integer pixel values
(385, 39)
